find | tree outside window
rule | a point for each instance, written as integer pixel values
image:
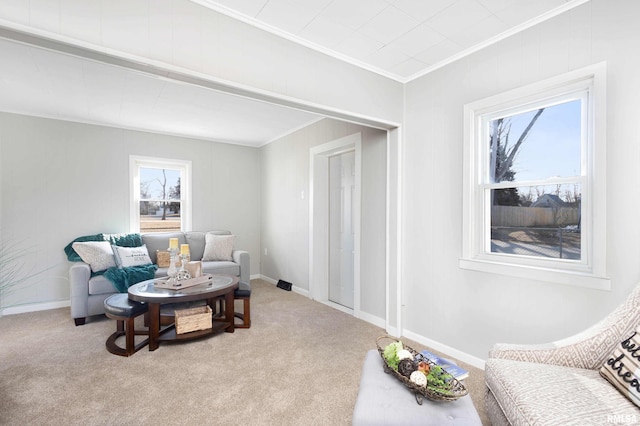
(535, 181)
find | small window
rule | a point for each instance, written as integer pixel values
(534, 182)
(160, 195)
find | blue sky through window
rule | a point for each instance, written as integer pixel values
(151, 179)
(553, 146)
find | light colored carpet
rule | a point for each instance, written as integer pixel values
(299, 363)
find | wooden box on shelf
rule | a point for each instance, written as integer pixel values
(193, 319)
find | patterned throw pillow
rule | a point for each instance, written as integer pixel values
(622, 368)
(131, 256)
(98, 254)
(218, 247)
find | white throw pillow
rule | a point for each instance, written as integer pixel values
(131, 256)
(218, 247)
(98, 254)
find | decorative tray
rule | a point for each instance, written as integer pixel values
(179, 285)
(449, 388)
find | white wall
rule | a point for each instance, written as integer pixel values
(60, 180)
(470, 310)
(373, 223)
(285, 214)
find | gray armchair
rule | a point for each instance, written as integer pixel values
(559, 382)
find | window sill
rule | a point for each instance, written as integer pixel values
(572, 278)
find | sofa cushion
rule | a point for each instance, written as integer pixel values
(221, 267)
(160, 241)
(131, 256)
(100, 285)
(622, 368)
(543, 394)
(218, 247)
(196, 244)
(98, 254)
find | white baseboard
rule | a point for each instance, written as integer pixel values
(267, 279)
(33, 307)
(294, 288)
(372, 319)
(337, 307)
(393, 331)
(301, 291)
(447, 350)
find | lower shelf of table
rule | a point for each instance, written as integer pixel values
(169, 333)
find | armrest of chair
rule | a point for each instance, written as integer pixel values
(555, 353)
(588, 349)
(242, 258)
(79, 275)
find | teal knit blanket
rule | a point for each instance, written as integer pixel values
(122, 278)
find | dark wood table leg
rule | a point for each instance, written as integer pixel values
(229, 313)
(154, 325)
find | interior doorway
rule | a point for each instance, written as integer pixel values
(334, 221)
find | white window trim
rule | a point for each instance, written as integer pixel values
(135, 162)
(591, 272)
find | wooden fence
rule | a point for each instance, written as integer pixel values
(534, 216)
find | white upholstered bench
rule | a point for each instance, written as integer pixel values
(384, 400)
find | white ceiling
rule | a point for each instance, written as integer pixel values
(401, 39)
(397, 38)
(44, 83)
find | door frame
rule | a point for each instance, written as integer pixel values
(319, 219)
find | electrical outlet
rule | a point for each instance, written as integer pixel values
(266, 253)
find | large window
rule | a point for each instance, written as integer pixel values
(534, 183)
(160, 195)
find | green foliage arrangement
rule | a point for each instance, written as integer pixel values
(391, 354)
(438, 378)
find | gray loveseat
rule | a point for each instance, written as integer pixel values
(88, 293)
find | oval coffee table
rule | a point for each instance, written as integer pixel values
(220, 285)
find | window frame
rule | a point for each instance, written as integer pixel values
(590, 271)
(184, 166)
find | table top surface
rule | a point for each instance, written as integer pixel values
(146, 291)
